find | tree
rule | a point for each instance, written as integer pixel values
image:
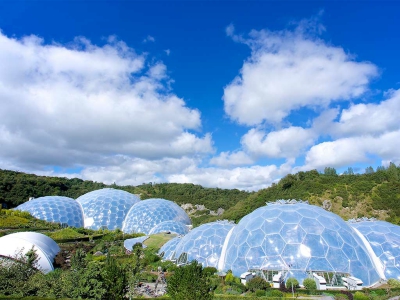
(257, 283)
(292, 282)
(190, 282)
(310, 284)
(369, 170)
(330, 171)
(114, 278)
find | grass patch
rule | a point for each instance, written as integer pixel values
(66, 233)
(155, 241)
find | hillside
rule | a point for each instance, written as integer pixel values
(373, 194)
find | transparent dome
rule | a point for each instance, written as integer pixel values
(21, 242)
(167, 251)
(106, 208)
(204, 243)
(55, 209)
(170, 226)
(148, 213)
(297, 238)
(384, 239)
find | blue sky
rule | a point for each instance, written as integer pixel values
(230, 94)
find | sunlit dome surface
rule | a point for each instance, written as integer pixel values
(148, 213)
(55, 209)
(204, 243)
(106, 208)
(170, 226)
(384, 239)
(167, 251)
(297, 238)
(46, 249)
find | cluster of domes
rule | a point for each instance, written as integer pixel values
(294, 238)
(111, 209)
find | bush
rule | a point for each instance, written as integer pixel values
(210, 271)
(310, 284)
(393, 283)
(257, 283)
(292, 282)
(260, 293)
(274, 293)
(360, 296)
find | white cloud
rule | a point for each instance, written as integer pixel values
(288, 70)
(149, 38)
(286, 143)
(167, 51)
(228, 159)
(77, 105)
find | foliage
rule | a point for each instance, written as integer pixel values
(274, 293)
(310, 284)
(360, 296)
(292, 282)
(257, 283)
(65, 233)
(393, 283)
(189, 282)
(115, 279)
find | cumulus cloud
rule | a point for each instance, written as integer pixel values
(228, 159)
(76, 105)
(149, 38)
(288, 70)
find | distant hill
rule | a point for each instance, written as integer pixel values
(373, 194)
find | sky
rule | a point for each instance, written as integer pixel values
(228, 94)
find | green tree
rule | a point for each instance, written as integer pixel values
(292, 282)
(190, 282)
(115, 279)
(257, 283)
(393, 283)
(310, 284)
(330, 171)
(369, 170)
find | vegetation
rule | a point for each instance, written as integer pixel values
(189, 282)
(257, 283)
(310, 284)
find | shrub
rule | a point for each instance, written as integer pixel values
(310, 284)
(393, 283)
(360, 296)
(210, 271)
(274, 293)
(260, 293)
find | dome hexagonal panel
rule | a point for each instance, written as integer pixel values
(291, 242)
(384, 239)
(56, 209)
(167, 251)
(170, 226)
(145, 215)
(106, 208)
(204, 243)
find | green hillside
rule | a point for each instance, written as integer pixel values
(373, 194)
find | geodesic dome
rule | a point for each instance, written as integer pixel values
(171, 227)
(204, 243)
(21, 242)
(167, 251)
(297, 238)
(55, 209)
(384, 239)
(106, 208)
(146, 214)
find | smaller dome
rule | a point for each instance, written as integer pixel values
(106, 208)
(167, 251)
(204, 243)
(170, 226)
(56, 209)
(146, 214)
(21, 242)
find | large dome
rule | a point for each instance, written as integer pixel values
(297, 238)
(55, 209)
(146, 214)
(384, 239)
(204, 243)
(46, 249)
(106, 208)
(171, 227)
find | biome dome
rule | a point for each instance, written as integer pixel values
(204, 243)
(384, 239)
(106, 208)
(147, 214)
(296, 238)
(170, 227)
(20, 243)
(167, 251)
(57, 209)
